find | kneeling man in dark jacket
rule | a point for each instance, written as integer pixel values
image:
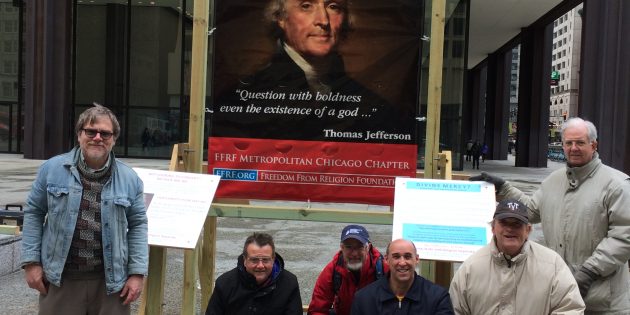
(402, 291)
(258, 285)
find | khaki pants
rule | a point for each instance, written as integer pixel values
(81, 297)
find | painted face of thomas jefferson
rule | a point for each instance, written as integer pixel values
(313, 27)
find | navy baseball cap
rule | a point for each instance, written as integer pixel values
(511, 209)
(357, 232)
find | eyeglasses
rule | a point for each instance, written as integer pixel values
(578, 143)
(91, 133)
(257, 260)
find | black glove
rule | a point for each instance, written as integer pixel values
(495, 180)
(584, 279)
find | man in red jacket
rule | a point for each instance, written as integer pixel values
(356, 265)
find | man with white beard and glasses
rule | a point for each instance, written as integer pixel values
(356, 265)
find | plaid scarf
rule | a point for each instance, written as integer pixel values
(86, 249)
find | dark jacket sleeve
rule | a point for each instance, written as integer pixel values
(218, 300)
(362, 301)
(215, 305)
(444, 306)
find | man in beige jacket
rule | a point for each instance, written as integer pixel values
(512, 275)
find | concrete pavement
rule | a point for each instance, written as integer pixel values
(305, 246)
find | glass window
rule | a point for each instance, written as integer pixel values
(7, 90)
(100, 56)
(8, 46)
(152, 132)
(458, 49)
(458, 26)
(129, 58)
(10, 26)
(9, 67)
(4, 127)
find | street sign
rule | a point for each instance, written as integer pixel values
(555, 76)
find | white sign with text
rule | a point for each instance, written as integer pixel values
(177, 205)
(446, 219)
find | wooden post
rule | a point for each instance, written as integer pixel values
(198, 74)
(434, 100)
(445, 164)
(444, 269)
(190, 279)
(206, 260)
(194, 157)
(440, 272)
(153, 292)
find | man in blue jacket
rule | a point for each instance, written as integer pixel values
(258, 285)
(402, 291)
(84, 246)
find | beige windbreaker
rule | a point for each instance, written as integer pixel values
(535, 282)
(585, 215)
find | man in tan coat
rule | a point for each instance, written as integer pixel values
(512, 275)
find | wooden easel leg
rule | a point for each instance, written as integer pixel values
(206, 260)
(153, 292)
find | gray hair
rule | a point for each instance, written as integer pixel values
(579, 122)
(90, 115)
(276, 10)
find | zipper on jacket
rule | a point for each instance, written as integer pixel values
(400, 298)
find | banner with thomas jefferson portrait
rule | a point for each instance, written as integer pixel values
(314, 100)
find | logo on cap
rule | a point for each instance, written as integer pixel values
(511, 209)
(512, 205)
(355, 231)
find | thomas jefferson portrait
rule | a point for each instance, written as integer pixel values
(316, 70)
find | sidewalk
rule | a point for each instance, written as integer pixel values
(305, 246)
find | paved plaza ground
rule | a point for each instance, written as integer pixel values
(305, 246)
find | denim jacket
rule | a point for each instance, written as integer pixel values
(51, 214)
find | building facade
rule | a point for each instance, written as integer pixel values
(565, 56)
(9, 79)
(134, 57)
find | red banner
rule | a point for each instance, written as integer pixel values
(309, 170)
